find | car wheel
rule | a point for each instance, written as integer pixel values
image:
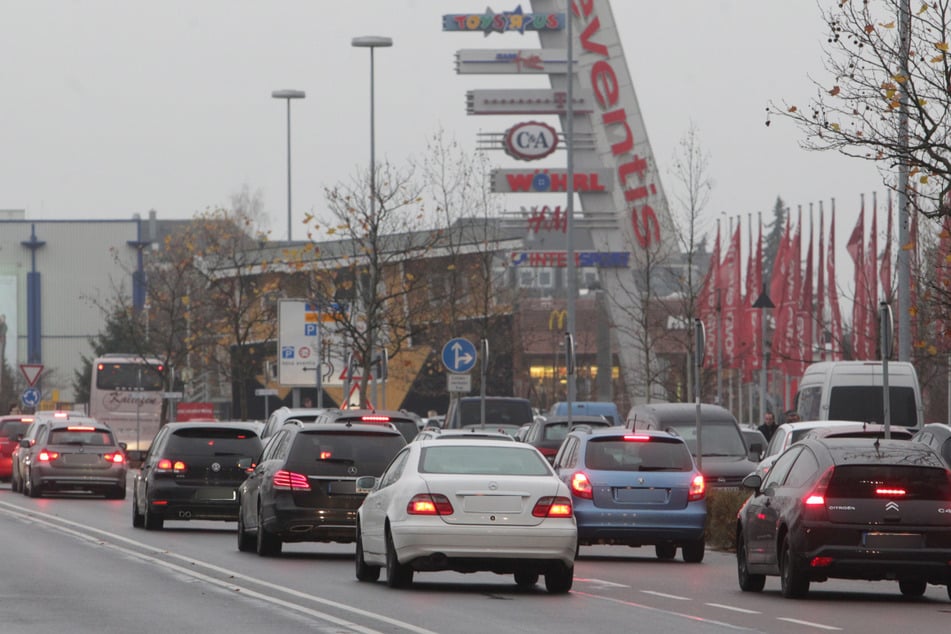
(793, 581)
(397, 575)
(912, 587)
(138, 519)
(559, 577)
(268, 544)
(749, 582)
(246, 541)
(15, 485)
(153, 521)
(665, 551)
(365, 572)
(693, 552)
(30, 489)
(526, 579)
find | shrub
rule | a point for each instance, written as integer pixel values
(722, 507)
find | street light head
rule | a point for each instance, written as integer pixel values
(371, 41)
(288, 94)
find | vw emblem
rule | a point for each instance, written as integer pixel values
(493, 486)
(216, 467)
(352, 470)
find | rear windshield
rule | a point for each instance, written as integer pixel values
(332, 453)
(406, 426)
(719, 438)
(558, 431)
(883, 481)
(484, 461)
(100, 437)
(12, 428)
(864, 403)
(217, 441)
(656, 454)
(504, 412)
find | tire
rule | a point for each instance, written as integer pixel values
(912, 587)
(364, 571)
(268, 544)
(30, 489)
(794, 583)
(16, 485)
(397, 575)
(153, 521)
(749, 582)
(665, 551)
(526, 579)
(246, 541)
(138, 519)
(693, 552)
(559, 577)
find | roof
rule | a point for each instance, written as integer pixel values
(859, 451)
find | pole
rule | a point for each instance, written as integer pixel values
(700, 343)
(288, 169)
(904, 260)
(570, 271)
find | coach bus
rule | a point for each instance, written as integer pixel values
(126, 393)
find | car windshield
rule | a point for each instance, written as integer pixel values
(558, 431)
(865, 403)
(12, 428)
(656, 454)
(870, 481)
(482, 460)
(720, 438)
(218, 441)
(100, 437)
(331, 453)
(504, 412)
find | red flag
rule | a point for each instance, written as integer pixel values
(729, 282)
(855, 247)
(752, 333)
(943, 280)
(835, 312)
(806, 318)
(871, 278)
(708, 303)
(820, 317)
(885, 271)
(785, 346)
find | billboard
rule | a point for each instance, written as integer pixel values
(507, 61)
(524, 101)
(307, 335)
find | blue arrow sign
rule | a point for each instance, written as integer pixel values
(458, 355)
(30, 397)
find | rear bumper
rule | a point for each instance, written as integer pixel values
(176, 502)
(78, 478)
(639, 527)
(932, 565)
(300, 524)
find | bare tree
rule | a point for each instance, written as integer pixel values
(875, 72)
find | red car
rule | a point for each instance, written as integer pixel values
(12, 428)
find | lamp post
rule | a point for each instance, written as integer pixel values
(372, 42)
(764, 303)
(288, 95)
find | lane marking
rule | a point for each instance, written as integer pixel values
(732, 607)
(83, 532)
(601, 582)
(808, 623)
(651, 608)
(665, 595)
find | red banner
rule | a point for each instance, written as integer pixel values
(729, 281)
(860, 306)
(835, 312)
(708, 303)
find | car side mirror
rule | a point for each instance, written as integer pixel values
(123, 446)
(24, 443)
(365, 484)
(753, 481)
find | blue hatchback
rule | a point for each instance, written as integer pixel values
(635, 489)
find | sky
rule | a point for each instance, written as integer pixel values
(115, 107)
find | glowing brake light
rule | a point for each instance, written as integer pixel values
(47, 456)
(698, 489)
(375, 419)
(636, 437)
(326, 455)
(167, 465)
(581, 486)
(891, 493)
(817, 497)
(429, 504)
(115, 458)
(290, 481)
(552, 507)
(80, 428)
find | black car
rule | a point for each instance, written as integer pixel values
(303, 488)
(192, 471)
(406, 423)
(847, 508)
(547, 434)
(938, 437)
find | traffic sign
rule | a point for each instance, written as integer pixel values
(459, 382)
(264, 391)
(459, 355)
(30, 397)
(31, 371)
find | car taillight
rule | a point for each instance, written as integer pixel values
(698, 489)
(890, 492)
(46, 455)
(552, 507)
(429, 504)
(374, 419)
(581, 486)
(815, 500)
(165, 465)
(548, 452)
(637, 437)
(114, 458)
(290, 481)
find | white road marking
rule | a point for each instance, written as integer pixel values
(732, 607)
(601, 582)
(808, 623)
(665, 595)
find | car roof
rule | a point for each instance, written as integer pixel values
(848, 451)
(469, 433)
(392, 413)
(351, 428)
(871, 429)
(471, 442)
(579, 419)
(812, 424)
(614, 430)
(246, 425)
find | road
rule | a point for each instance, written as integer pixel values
(76, 564)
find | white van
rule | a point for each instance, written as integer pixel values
(852, 390)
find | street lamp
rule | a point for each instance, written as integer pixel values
(288, 95)
(372, 42)
(763, 303)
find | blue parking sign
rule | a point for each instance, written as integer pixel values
(287, 352)
(310, 330)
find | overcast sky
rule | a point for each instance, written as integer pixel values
(115, 107)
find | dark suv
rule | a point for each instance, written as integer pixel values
(304, 486)
(192, 471)
(509, 411)
(847, 508)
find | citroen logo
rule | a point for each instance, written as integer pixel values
(891, 505)
(216, 467)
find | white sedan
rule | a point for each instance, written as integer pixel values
(467, 505)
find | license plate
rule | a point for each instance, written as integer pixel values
(894, 540)
(633, 495)
(493, 504)
(217, 494)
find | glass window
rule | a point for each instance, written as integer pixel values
(808, 402)
(319, 452)
(128, 376)
(476, 460)
(205, 441)
(865, 482)
(395, 470)
(803, 470)
(657, 454)
(99, 437)
(781, 467)
(865, 403)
